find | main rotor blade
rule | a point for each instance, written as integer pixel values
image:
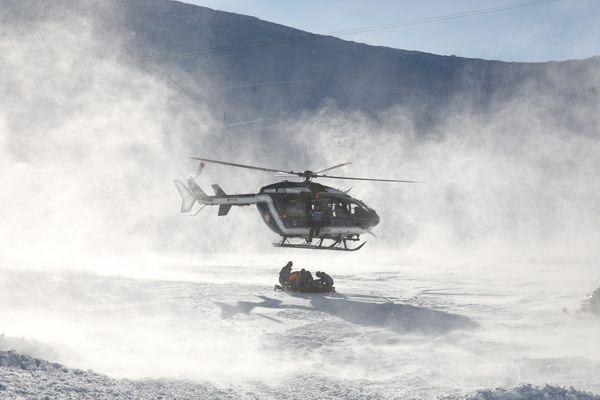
(244, 166)
(335, 166)
(364, 179)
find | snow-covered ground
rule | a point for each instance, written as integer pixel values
(395, 329)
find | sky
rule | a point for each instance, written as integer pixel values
(554, 30)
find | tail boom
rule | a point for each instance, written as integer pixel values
(192, 193)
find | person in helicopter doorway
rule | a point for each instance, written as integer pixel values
(324, 283)
(317, 218)
(284, 274)
(316, 221)
(305, 281)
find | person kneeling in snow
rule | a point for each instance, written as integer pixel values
(293, 280)
(325, 282)
(305, 281)
(284, 274)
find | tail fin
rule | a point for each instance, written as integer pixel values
(196, 191)
(187, 198)
(223, 208)
(218, 191)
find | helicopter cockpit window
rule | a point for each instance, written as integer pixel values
(363, 205)
(341, 209)
(358, 209)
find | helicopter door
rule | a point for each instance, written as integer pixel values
(325, 210)
(293, 211)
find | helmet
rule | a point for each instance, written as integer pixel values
(318, 273)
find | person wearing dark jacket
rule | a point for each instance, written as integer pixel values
(325, 282)
(284, 274)
(305, 281)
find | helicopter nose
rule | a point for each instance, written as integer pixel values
(374, 219)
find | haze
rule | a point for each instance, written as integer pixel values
(461, 291)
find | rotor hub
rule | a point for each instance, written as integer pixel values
(308, 174)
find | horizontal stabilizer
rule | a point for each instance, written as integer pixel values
(224, 209)
(187, 199)
(218, 191)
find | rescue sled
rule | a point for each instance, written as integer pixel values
(312, 290)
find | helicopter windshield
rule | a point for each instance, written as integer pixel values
(357, 208)
(361, 204)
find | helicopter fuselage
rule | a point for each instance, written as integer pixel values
(294, 209)
(305, 210)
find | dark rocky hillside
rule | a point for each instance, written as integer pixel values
(252, 72)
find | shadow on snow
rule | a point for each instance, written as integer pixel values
(400, 318)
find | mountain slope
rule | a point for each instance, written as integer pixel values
(251, 70)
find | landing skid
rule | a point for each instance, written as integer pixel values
(338, 244)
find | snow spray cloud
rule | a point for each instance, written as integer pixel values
(514, 180)
(89, 144)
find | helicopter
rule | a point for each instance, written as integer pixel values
(306, 214)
